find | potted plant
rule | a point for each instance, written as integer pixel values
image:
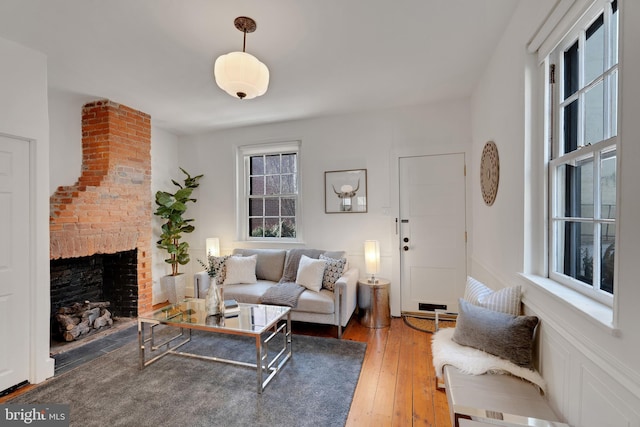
(171, 207)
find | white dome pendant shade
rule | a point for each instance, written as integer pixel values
(240, 74)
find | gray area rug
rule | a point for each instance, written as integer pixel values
(315, 387)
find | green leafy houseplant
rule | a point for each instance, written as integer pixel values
(171, 207)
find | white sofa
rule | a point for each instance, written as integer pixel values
(325, 307)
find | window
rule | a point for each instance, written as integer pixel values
(583, 122)
(269, 200)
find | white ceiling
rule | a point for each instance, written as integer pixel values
(324, 56)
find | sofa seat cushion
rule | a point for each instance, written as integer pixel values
(249, 294)
(316, 302)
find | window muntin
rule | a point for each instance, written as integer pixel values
(268, 202)
(583, 165)
(273, 191)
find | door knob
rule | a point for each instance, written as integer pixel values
(406, 239)
(406, 248)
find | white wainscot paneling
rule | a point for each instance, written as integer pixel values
(581, 392)
(555, 367)
(603, 403)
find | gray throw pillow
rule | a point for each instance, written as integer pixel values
(504, 335)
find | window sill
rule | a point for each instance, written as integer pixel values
(599, 314)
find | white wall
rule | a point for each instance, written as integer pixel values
(592, 370)
(164, 168)
(65, 157)
(372, 141)
(23, 113)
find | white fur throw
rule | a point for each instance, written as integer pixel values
(475, 362)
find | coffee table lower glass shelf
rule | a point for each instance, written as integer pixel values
(266, 324)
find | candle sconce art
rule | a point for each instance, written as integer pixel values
(345, 191)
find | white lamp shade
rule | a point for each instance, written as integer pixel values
(372, 256)
(213, 246)
(240, 72)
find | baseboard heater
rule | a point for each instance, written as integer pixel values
(431, 307)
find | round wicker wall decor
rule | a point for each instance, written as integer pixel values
(489, 172)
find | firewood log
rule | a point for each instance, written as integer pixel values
(91, 315)
(79, 308)
(103, 320)
(79, 329)
(66, 323)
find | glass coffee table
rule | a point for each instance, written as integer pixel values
(264, 323)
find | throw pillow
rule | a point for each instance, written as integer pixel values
(310, 273)
(241, 269)
(333, 271)
(292, 262)
(504, 335)
(506, 300)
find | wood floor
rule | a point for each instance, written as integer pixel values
(397, 381)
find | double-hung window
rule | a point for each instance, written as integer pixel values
(583, 117)
(268, 203)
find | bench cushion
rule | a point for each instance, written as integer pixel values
(494, 395)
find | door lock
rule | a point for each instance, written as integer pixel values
(406, 248)
(406, 240)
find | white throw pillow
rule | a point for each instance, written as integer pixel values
(506, 300)
(310, 273)
(241, 269)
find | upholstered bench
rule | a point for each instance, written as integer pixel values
(500, 399)
(486, 362)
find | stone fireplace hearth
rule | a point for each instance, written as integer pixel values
(108, 210)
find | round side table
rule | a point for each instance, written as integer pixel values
(373, 303)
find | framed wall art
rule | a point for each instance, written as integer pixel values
(345, 191)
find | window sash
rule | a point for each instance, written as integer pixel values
(566, 221)
(244, 199)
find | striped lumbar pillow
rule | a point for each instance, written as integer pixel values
(506, 300)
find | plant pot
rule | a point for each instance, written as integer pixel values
(174, 287)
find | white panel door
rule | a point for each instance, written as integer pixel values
(14, 262)
(432, 231)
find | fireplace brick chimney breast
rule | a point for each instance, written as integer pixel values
(108, 210)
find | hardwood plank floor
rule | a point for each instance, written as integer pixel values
(397, 380)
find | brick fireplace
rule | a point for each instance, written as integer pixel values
(108, 210)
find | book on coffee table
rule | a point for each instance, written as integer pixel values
(231, 308)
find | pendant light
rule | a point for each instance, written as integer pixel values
(240, 74)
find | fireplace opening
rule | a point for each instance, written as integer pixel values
(105, 281)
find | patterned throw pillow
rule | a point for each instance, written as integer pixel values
(506, 300)
(332, 272)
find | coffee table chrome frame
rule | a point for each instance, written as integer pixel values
(266, 368)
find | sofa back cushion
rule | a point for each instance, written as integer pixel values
(270, 263)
